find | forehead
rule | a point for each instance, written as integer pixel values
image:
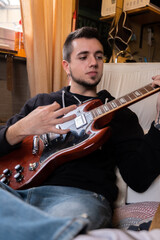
(86, 45)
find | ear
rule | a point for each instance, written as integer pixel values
(65, 65)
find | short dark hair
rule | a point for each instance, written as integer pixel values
(84, 32)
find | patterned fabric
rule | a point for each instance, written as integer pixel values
(134, 214)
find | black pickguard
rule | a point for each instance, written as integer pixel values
(63, 142)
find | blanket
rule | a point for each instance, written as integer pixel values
(116, 234)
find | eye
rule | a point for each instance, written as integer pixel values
(99, 57)
(82, 58)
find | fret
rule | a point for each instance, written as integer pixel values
(102, 109)
(137, 93)
(124, 100)
(96, 112)
(99, 111)
(146, 89)
(106, 108)
(131, 96)
(128, 99)
(143, 90)
(134, 94)
(149, 88)
(118, 102)
(113, 104)
(109, 105)
(93, 113)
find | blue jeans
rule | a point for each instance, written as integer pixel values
(50, 213)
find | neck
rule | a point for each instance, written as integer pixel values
(91, 92)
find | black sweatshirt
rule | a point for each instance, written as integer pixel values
(137, 155)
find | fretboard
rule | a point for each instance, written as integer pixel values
(124, 101)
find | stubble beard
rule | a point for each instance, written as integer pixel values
(84, 83)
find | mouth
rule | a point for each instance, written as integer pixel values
(92, 73)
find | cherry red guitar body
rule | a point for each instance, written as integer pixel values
(86, 135)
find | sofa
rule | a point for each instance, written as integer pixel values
(120, 79)
(132, 210)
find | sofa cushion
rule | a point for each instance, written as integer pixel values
(150, 195)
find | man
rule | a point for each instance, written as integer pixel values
(80, 192)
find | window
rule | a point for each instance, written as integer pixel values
(10, 13)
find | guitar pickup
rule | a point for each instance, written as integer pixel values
(80, 121)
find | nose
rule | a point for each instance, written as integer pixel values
(93, 61)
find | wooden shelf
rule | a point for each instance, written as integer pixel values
(143, 15)
(8, 51)
(13, 53)
(107, 18)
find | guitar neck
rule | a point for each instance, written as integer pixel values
(124, 101)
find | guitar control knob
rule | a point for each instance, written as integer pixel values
(5, 180)
(18, 176)
(19, 168)
(7, 172)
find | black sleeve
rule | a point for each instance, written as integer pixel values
(137, 155)
(5, 147)
(39, 100)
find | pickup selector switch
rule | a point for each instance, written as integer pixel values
(33, 166)
(19, 168)
(18, 176)
(7, 172)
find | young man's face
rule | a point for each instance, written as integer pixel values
(86, 64)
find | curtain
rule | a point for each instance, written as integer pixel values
(46, 23)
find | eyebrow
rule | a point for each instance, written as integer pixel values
(86, 52)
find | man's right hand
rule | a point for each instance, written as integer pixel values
(42, 120)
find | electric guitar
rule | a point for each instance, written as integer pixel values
(38, 156)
